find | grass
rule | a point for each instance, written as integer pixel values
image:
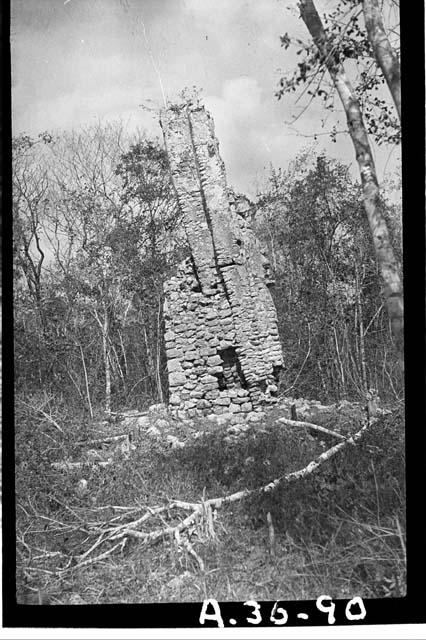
(339, 532)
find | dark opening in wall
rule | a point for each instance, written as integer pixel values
(221, 380)
(276, 371)
(197, 285)
(232, 371)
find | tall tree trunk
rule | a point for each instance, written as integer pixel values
(158, 353)
(388, 264)
(383, 50)
(107, 359)
(360, 315)
(104, 326)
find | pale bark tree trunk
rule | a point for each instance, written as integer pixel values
(158, 354)
(360, 315)
(384, 53)
(86, 380)
(106, 354)
(388, 264)
(107, 359)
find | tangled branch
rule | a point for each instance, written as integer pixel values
(116, 532)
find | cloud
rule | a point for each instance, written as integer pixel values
(249, 130)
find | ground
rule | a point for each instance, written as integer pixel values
(339, 531)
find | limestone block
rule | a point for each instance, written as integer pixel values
(211, 314)
(247, 406)
(211, 386)
(174, 399)
(221, 401)
(211, 395)
(180, 328)
(234, 408)
(174, 365)
(213, 370)
(206, 379)
(187, 364)
(203, 404)
(224, 418)
(196, 393)
(207, 351)
(214, 360)
(162, 424)
(242, 393)
(176, 378)
(254, 417)
(191, 355)
(173, 353)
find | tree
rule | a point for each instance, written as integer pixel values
(386, 56)
(104, 228)
(331, 319)
(153, 217)
(30, 198)
(328, 56)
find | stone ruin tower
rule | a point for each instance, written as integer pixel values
(222, 343)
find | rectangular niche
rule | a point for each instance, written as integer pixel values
(232, 376)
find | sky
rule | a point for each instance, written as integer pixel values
(75, 62)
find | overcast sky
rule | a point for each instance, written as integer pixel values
(77, 61)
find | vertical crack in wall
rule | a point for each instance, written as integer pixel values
(205, 207)
(221, 337)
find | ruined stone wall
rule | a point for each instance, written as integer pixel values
(221, 336)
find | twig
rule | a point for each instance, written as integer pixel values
(122, 436)
(46, 415)
(188, 546)
(304, 361)
(314, 427)
(102, 556)
(271, 533)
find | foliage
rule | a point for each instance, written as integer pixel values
(332, 325)
(349, 44)
(96, 232)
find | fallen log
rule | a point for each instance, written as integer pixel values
(200, 513)
(121, 436)
(70, 466)
(310, 425)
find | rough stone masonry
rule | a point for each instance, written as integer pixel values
(223, 349)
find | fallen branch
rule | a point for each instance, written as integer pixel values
(310, 425)
(200, 512)
(216, 503)
(69, 466)
(188, 546)
(122, 436)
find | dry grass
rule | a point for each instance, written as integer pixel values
(340, 532)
